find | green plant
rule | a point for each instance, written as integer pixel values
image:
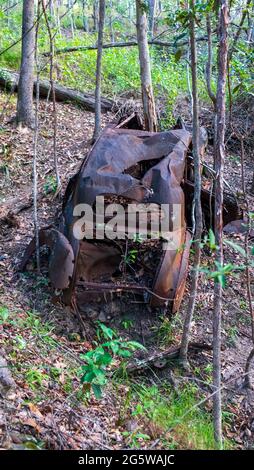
(94, 373)
(209, 241)
(127, 323)
(4, 315)
(50, 186)
(232, 335)
(35, 377)
(20, 342)
(208, 368)
(135, 438)
(187, 425)
(242, 304)
(166, 331)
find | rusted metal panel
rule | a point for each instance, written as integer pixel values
(126, 165)
(158, 161)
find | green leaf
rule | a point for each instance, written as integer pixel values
(135, 345)
(211, 238)
(108, 333)
(105, 359)
(97, 391)
(236, 88)
(124, 353)
(221, 279)
(178, 55)
(236, 247)
(114, 346)
(88, 378)
(4, 314)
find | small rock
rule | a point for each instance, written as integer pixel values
(248, 432)
(131, 425)
(6, 381)
(102, 317)
(91, 313)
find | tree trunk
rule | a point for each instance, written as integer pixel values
(130, 10)
(145, 69)
(219, 158)
(97, 126)
(197, 196)
(152, 8)
(58, 19)
(111, 29)
(84, 16)
(70, 6)
(25, 110)
(252, 184)
(53, 95)
(51, 8)
(85, 100)
(209, 61)
(95, 15)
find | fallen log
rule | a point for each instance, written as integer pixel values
(10, 209)
(9, 82)
(160, 359)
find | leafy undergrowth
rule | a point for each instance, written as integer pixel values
(50, 408)
(172, 417)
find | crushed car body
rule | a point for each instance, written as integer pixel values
(131, 168)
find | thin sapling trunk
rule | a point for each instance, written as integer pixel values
(197, 197)
(97, 126)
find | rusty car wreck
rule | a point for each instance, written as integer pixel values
(127, 165)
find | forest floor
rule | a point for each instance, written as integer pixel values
(42, 342)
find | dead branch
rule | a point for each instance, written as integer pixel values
(154, 42)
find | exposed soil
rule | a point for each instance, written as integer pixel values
(60, 420)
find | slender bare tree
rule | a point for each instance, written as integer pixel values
(97, 126)
(252, 184)
(53, 95)
(219, 158)
(152, 8)
(247, 380)
(95, 15)
(35, 146)
(150, 117)
(197, 195)
(70, 11)
(111, 28)
(84, 16)
(209, 60)
(25, 109)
